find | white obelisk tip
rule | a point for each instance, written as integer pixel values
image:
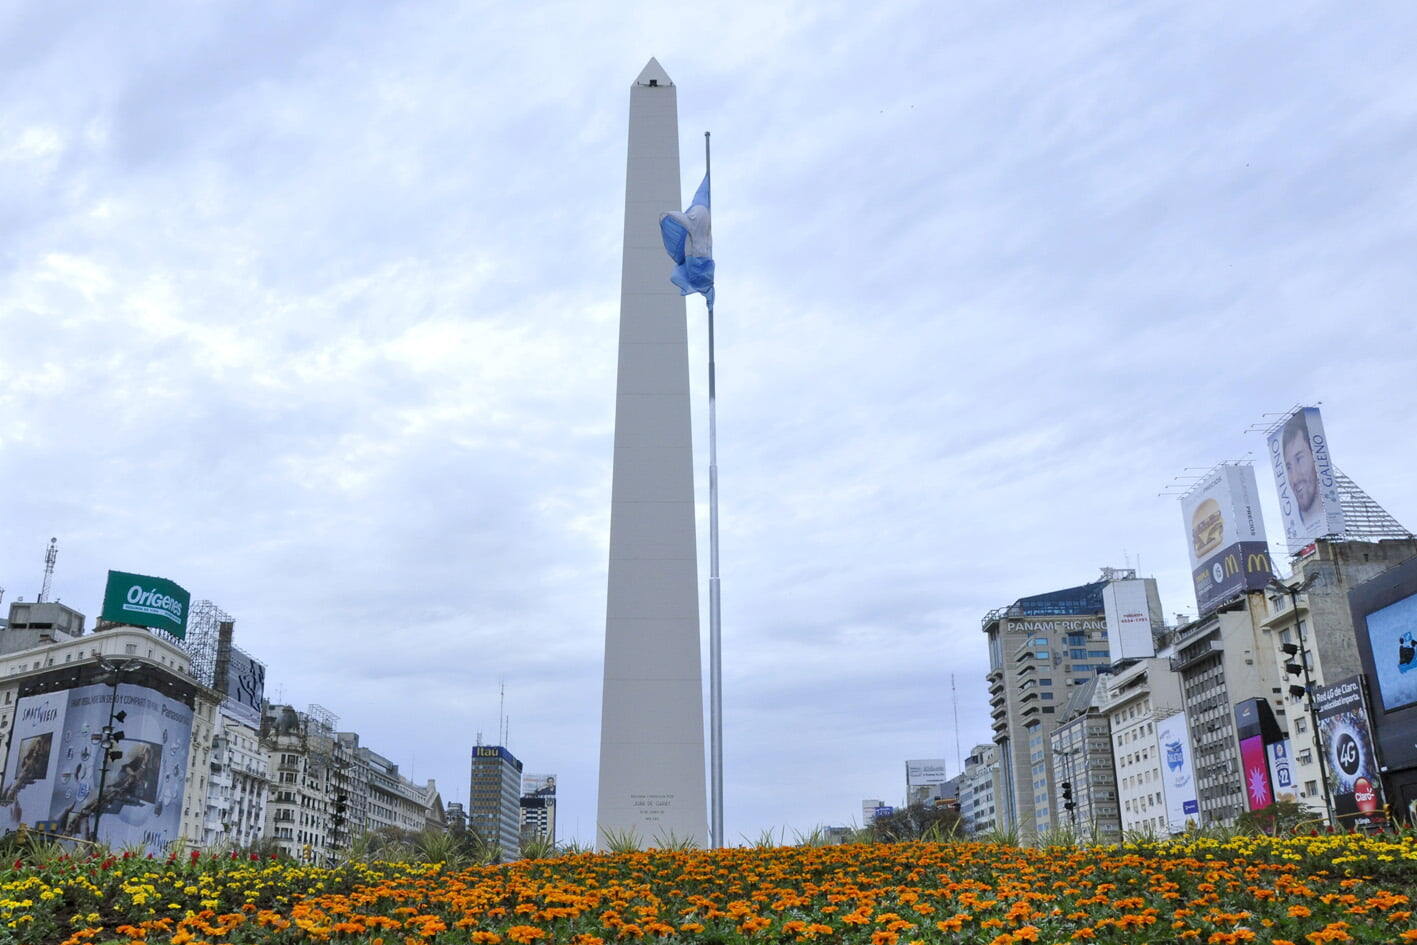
(653, 74)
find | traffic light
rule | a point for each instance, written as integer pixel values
(341, 805)
(1068, 795)
(1298, 692)
(1293, 669)
(1290, 649)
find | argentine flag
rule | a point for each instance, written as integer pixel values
(689, 240)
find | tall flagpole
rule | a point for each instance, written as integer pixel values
(715, 641)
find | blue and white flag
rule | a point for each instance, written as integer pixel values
(688, 237)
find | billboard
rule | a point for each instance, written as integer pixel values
(1225, 535)
(1128, 612)
(144, 601)
(923, 779)
(1179, 785)
(244, 687)
(539, 785)
(1281, 771)
(1305, 478)
(1392, 633)
(56, 765)
(1353, 768)
(1257, 729)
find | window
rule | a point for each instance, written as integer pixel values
(1301, 725)
(131, 649)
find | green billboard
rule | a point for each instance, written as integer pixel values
(145, 601)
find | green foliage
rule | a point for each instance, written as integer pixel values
(816, 837)
(766, 839)
(537, 847)
(916, 822)
(621, 841)
(673, 842)
(1281, 817)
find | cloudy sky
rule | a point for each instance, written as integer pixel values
(313, 309)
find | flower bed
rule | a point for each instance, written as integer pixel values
(1339, 888)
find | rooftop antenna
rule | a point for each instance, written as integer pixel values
(50, 557)
(501, 713)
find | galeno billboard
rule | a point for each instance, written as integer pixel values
(1305, 478)
(145, 601)
(1225, 535)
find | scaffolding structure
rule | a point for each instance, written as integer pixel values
(1363, 518)
(203, 631)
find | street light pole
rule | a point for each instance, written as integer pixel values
(107, 737)
(1293, 592)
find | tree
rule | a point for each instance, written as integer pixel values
(916, 822)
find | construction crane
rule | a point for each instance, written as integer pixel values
(50, 557)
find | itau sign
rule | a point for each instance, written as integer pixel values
(145, 601)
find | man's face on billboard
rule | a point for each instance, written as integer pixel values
(1303, 477)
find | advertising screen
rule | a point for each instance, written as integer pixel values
(923, 778)
(57, 777)
(1255, 762)
(1305, 479)
(1392, 632)
(1281, 771)
(1347, 734)
(1225, 535)
(144, 601)
(244, 688)
(1179, 787)
(539, 785)
(1128, 615)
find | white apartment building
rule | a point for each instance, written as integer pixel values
(302, 791)
(980, 786)
(1137, 696)
(238, 785)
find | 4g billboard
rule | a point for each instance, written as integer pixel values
(141, 600)
(1226, 538)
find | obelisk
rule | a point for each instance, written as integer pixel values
(652, 721)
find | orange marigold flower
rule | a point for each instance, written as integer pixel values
(883, 937)
(484, 938)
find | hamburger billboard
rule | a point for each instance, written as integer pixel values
(1225, 535)
(1305, 478)
(141, 600)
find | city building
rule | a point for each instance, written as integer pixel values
(1224, 659)
(538, 807)
(121, 691)
(235, 808)
(1081, 747)
(494, 802)
(1325, 572)
(394, 800)
(1040, 647)
(1135, 700)
(455, 816)
(981, 788)
(301, 803)
(35, 624)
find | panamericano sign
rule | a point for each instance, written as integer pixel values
(145, 601)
